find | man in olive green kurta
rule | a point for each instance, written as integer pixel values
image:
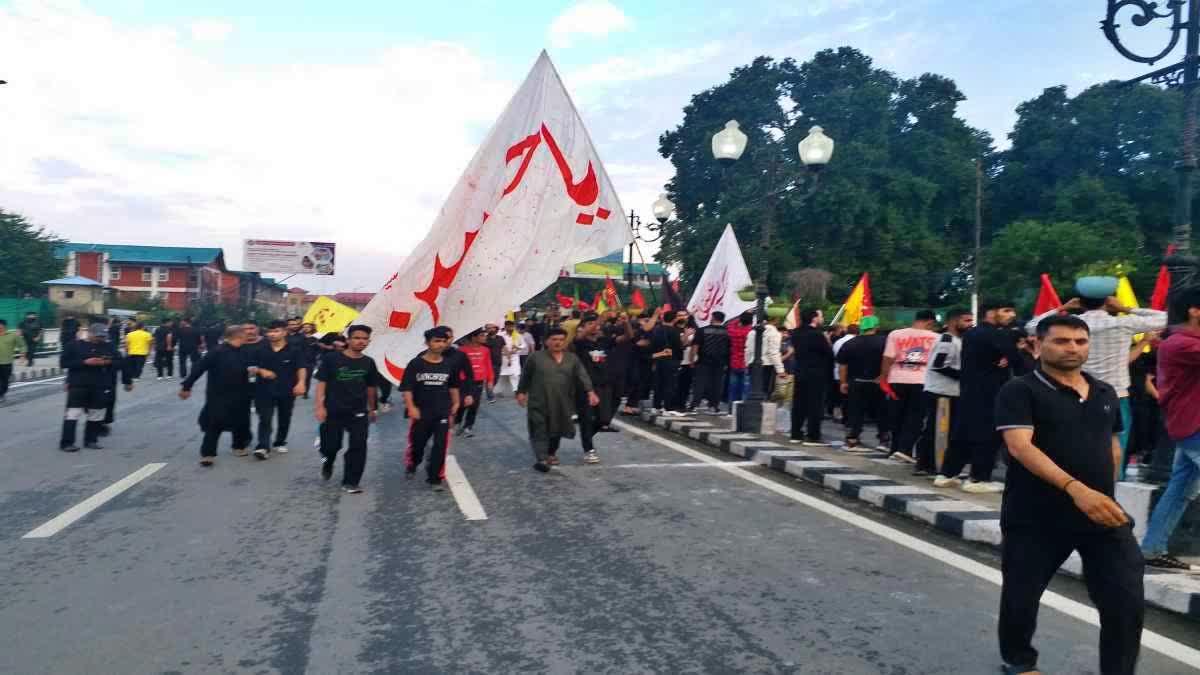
(551, 383)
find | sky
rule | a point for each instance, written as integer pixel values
(201, 124)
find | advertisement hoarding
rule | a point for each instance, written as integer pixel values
(289, 257)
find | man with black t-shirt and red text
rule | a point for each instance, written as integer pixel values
(347, 387)
(431, 395)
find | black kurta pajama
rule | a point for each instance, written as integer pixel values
(226, 399)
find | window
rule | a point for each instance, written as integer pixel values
(162, 274)
(193, 277)
(146, 272)
(115, 274)
(68, 294)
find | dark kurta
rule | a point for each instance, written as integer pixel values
(984, 348)
(553, 388)
(227, 396)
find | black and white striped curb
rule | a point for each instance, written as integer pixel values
(37, 373)
(967, 520)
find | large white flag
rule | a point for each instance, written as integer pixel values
(533, 200)
(724, 276)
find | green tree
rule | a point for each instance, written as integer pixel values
(896, 201)
(1028, 248)
(28, 256)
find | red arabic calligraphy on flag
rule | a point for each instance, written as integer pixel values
(535, 199)
(723, 277)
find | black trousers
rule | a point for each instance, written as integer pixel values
(981, 454)
(602, 415)
(186, 358)
(619, 378)
(808, 405)
(466, 414)
(683, 387)
(709, 385)
(586, 418)
(927, 446)
(641, 381)
(420, 432)
(212, 434)
(1112, 570)
(865, 401)
(385, 390)
(30, 350)
(164, 361)
(5, 377)
(355, 459)
(907, 414)
(137, 364)
(836, 400)
(666, 374)
(267, 406)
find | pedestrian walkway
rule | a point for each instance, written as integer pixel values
(889, 484)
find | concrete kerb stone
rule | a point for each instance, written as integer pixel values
(966, 520)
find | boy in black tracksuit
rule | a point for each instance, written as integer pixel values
(347, 391)
(431, 396)
(281, 366)
(227, 397)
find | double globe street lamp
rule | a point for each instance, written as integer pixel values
(815, 151)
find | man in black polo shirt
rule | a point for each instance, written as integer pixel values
(280, 379)
(1062, 428)
(164, 349)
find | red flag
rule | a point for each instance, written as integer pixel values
(1047, 298)
(637, 299)
(566, 301)
(1162, 286)
(610, 294)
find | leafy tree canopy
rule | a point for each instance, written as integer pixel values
(28, 256)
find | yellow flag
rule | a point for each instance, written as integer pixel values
(1126, 297)
(329, 315)
(1125, 293)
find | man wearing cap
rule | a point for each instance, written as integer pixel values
(92, 369)
(1112, 326)
(858, 374)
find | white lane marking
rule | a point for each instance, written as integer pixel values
(1159, 643)
(675, 465)
(35, 383)
(57, 524)
(463, 493)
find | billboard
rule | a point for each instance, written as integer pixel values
(288, 257)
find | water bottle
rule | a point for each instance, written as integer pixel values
(252, 374)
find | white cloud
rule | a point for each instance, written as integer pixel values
(592, 18)
(128, 135)
(211, 30)
(645, 65)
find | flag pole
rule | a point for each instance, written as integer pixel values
(837, 316)
(646, 271)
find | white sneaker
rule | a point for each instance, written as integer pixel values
(317, 443)
(281, 449)
(816, 444)
(941, 481)
(591, 457)
(160, 379)
(982, 488)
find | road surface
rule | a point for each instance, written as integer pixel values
(654, 561)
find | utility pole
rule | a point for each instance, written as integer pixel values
(978, 238)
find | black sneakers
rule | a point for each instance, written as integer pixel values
(326, 469)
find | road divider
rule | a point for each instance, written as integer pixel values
(66, 518)
(1170, 648)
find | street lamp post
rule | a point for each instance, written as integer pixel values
(1184, 75)
(815, 152)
